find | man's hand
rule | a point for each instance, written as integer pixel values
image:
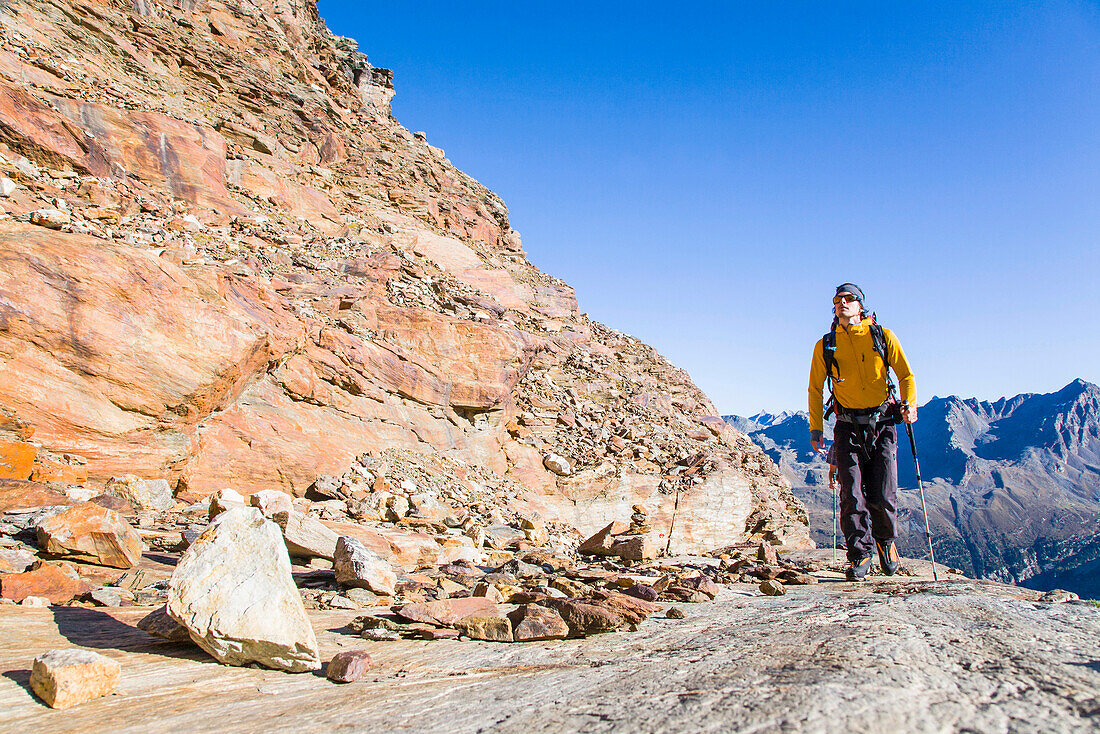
(819, 446)
(909, 413)
(834, 479)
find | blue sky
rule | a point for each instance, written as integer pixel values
(705, 173)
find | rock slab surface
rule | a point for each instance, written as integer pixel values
(233, 591)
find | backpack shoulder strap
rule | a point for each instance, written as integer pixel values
(878, 341)
(828, 353)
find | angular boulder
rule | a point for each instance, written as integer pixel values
(91, 533)
(358, 566)
(305, 536)
(142, 494)
(271, 502)
(446, 612)
(65, 678)
(600, 543)
(233, 591)
(494, 628)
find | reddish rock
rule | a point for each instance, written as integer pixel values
(642, 591)
(532, 622)
(583, 618)
(91, 533)
(116, 504)
(17, 459)
(47, 581)
(632, 610)
(767, 554)
(446, 612)
(700, 583)
(22, 495)
(348, 666)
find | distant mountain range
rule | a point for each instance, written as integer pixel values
(1013, 485)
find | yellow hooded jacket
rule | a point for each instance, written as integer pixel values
(862, 381)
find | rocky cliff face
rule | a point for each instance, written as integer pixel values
(1013, 485)
(224, 263)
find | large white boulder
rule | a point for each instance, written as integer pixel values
(233, 592)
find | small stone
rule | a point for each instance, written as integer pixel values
(767, 554)
(488, 591)
(532, 622)
(65, 678)
(270, 502)
(106, 596)
(675, 613)
(348, 666)
(557, 464)
(380, 635)
(362, 597)
(446, 612)
(159, 624)
(305, 536)
(642, 591)
(7, 187)
(570, 587)
(223, 500)
(491, 628)
(357, 565)
(142, 494)
(1059, 596)
(771, 587)
(50, 218)
(37, 602)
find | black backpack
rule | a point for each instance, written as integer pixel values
(828, 352)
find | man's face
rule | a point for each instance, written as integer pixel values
(846, 305)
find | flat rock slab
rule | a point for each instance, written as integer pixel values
(954, 655)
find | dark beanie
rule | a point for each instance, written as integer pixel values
(850, 288)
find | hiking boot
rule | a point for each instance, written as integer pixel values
(887, 556)
(858, 570)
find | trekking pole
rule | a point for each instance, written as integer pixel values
(832, 488)
(923, 506)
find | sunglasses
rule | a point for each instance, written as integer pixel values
(846, 298)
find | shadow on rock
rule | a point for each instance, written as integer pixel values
(22, 678)
(96, 629)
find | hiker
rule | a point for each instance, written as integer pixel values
(856, 357)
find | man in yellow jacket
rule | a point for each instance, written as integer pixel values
(866, 443)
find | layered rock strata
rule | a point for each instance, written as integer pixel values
(223, 263)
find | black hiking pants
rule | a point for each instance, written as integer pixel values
(867, 467)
